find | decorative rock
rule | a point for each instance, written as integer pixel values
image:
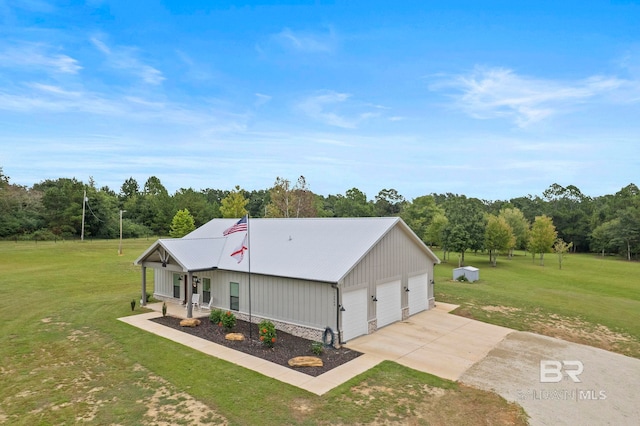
(235, 336)
(305, 361)
(189, 322)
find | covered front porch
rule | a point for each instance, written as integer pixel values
(178, 310)
(175, 263)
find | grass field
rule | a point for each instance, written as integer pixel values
(67, 360)
(591, 300)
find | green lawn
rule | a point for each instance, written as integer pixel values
(591, 300)
(66, 360)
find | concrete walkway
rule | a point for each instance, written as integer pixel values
(433, 341)
(318, 385)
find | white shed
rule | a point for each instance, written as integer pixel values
(472, 274)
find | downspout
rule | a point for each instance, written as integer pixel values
(338, 305)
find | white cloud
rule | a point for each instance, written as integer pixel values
(30, 55)
(501, 93)
(196, 70)
(335, 109)
(37, 97)
(45, 97)
(261, 99)
(124, 58)
(101, 46)
(316, 108)
(55, 90)
(306, 41)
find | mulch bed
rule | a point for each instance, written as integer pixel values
(286, 347)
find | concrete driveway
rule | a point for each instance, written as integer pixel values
(508, 362)
(433, 341)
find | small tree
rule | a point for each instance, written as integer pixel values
(433, 233)
(286, 201)
(466, 226)
(560, 248)
(542, 236)
(498, 237)
(234, 204)
(519, 225)
(419, 214)
(182, 224)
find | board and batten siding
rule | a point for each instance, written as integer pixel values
(395, 256)
(301, 302)
(163, 283)
(307, 303)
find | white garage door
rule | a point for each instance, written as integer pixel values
(354, 317)
(418, 293)
(389, 305)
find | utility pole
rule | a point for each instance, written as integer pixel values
(120, 247)
(84, 201)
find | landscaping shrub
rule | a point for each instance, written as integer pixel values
(216, 316)
(317, 348)
(228, 320)
(267, 333)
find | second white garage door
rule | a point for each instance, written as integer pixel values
(389, 305)
(418, 293)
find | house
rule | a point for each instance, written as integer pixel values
(469, 272)
(342, 276)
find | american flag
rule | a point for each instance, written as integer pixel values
(241, 225)
(238, 253)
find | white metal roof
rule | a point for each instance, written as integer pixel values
(190, 254)
(319, 249)
(468, 268)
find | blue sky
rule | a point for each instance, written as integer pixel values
(489, 99)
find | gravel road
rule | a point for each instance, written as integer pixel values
(608, 391)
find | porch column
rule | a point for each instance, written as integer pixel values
(143, 299)
(189, 293)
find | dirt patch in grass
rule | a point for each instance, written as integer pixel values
(303, 409)
(501, 309)
(286, 347)
(425, 404)
(78, 376)
(570, 329)
(579, 331)
(166, 407)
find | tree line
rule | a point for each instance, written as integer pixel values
(53, 209)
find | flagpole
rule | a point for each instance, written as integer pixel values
(249, 260)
